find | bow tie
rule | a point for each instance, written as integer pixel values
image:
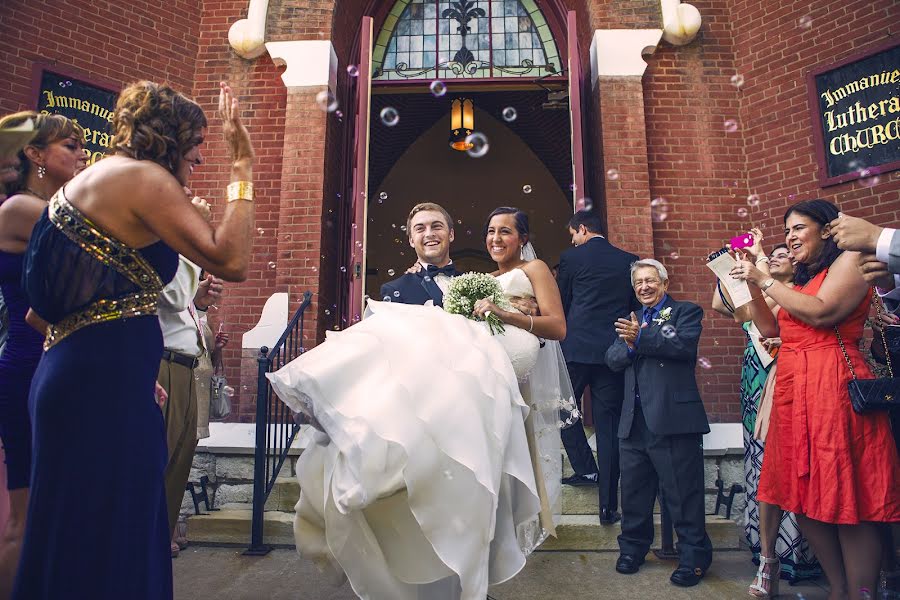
(434, 271)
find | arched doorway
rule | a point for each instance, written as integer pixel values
(500, 53)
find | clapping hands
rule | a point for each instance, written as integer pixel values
(628, 329)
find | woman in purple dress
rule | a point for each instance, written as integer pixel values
(52, 157)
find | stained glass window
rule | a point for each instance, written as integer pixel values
(449, 39)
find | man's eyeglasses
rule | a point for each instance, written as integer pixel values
(649, 281)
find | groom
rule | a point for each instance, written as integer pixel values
(430, 231)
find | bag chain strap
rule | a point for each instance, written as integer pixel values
(879, 308)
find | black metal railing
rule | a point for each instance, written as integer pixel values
(275, 425)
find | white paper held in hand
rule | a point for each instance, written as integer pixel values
(721, 263)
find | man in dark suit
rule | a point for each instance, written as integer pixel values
(430, 231)
(662, 425)
(595, 288)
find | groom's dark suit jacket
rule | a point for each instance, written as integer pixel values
(663, 368)
(595, 285)
(411, 287)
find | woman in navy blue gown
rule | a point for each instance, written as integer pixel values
(97, 260)
(51, 158)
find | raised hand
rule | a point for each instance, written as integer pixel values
(853, 233)
(208, 292)
(875, 272)
(756, 250)
(746, 270)
(236, 135)
(628, 329)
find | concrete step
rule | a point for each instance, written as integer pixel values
(576, 532)
(232, 526)
(584, 532)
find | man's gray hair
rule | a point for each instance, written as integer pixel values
(649, 262)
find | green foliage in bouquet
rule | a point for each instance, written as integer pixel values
(467, 289)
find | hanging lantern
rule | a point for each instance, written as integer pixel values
(462, 123)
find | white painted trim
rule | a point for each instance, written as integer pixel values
(248, 36)
(620, 52)
(310, 63)
(272, 323)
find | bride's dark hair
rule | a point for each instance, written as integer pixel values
(520, 216)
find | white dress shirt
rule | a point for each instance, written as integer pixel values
(442, 280)
(177, 314)
(883, 253)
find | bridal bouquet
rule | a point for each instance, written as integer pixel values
(467, 289)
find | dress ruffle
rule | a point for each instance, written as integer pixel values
(422, 476)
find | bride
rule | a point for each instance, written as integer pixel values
(434, 464)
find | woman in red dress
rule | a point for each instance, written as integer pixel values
(837, 470)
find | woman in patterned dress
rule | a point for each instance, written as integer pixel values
(769, 531)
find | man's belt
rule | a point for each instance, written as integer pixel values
(178, 358)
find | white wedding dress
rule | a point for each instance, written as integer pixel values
(419, 482)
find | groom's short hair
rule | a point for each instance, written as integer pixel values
(422, 206)
(591, 221)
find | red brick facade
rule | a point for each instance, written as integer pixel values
(665, 136)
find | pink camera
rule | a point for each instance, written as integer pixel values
(742, 241)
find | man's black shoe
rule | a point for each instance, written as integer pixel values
(609, 517)
(580, 480)
(628, 564)
(686, 576)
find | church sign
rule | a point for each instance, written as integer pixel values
(89, 103)
(855, 108)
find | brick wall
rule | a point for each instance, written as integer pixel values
(706, 168)
(117, 42)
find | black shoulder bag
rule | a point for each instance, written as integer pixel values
(870, 395)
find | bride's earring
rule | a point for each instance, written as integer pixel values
(41, 171)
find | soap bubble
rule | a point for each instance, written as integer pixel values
(386, 299)
(704, 362)
(228, 391)
(731, 125)
(805, 22)
(737, 80)
(260, 231)
(668, 331)
(753, 200)
(272, 264)
(390, 116)
(584, 204)
(612, 174)
(674, 255)
(391, 272)
(383, 196)
(326, 101)
(526, 189)
(479, 143)
(742, 212)
(438, 88)
(352, 70)
(509, 114)
(396, 294)
(343, 269)
(659, 209)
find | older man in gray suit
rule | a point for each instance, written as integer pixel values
(662, 425)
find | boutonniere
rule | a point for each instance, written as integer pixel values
(664, 315)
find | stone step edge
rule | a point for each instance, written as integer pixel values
(577, 532)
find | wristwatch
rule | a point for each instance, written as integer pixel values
(767, 284)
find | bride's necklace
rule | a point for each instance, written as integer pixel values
(38, 194)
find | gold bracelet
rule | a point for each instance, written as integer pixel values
(240, 190)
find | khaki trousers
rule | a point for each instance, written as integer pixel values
(180, 412)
